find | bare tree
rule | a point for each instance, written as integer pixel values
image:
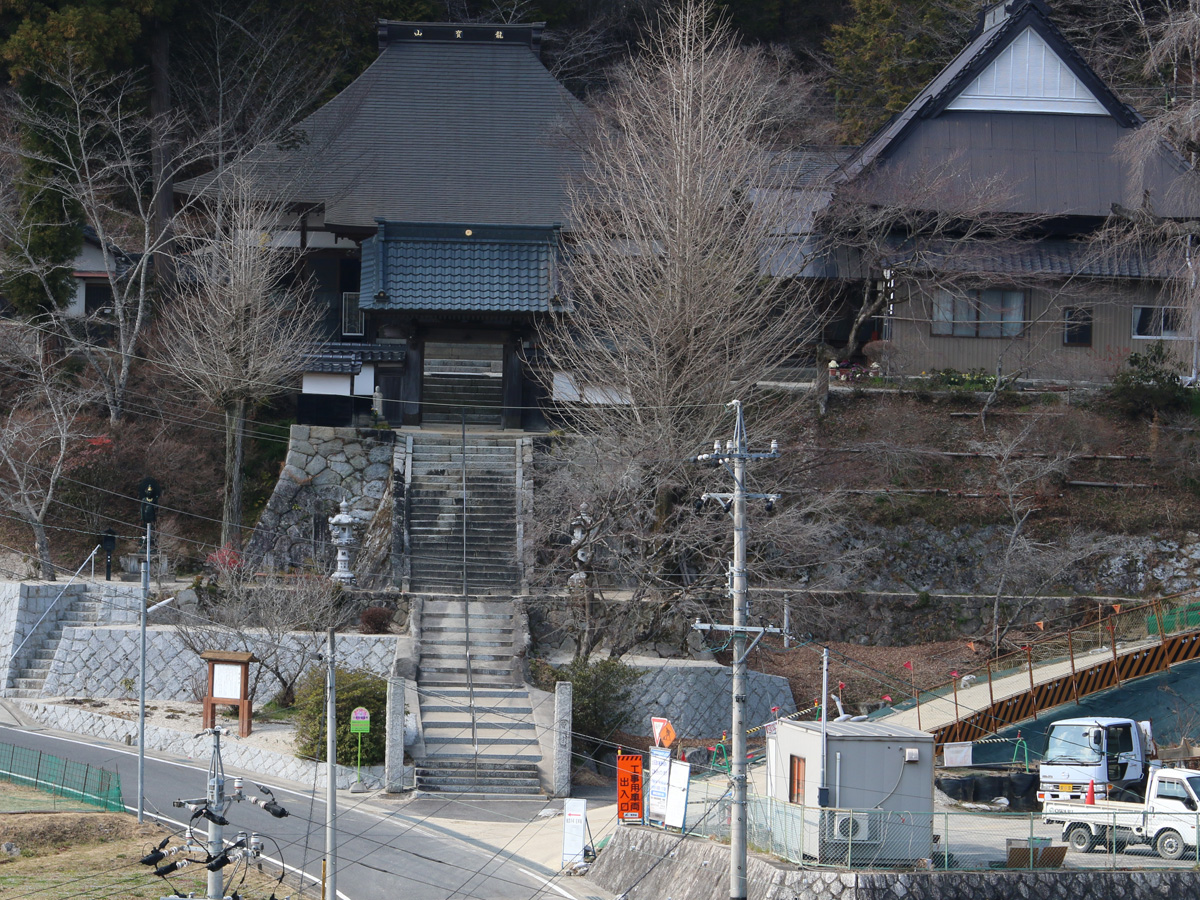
(928, 224)
(241, 323)
(42, 429)
(675, 218)
(93, 144)
(1022, 466)
(282, 621)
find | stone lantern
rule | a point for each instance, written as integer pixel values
(341, 529)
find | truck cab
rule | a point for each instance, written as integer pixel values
(1112, 756)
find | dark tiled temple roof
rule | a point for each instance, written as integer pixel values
(438, 129)
(459, 268)
(347, 359)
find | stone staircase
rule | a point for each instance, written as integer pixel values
(462, 379)
(434, 513)
(34, 663)
(476, 718)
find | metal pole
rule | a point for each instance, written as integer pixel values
(331, 767)
(737, 839)
(823, 786)
(216, 804)
(787, 622)
(141, 765)
(464, 503)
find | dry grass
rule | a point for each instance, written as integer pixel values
(95, 855)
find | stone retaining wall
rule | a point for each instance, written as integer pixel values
(323, 467)
(22, 626)
(696, 698)
(646, 864)
(234, 754)
(92, 662)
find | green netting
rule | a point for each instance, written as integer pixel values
(61, 777)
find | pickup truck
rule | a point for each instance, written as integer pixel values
(1166, 820)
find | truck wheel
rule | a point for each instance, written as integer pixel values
(1169, 844)
(1080, 839)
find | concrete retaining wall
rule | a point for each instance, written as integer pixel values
(92, 662)
(696, 698)
(234, 754)
(646, 864)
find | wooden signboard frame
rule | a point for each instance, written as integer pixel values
(220, 680)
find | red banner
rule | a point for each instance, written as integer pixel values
(629, 787)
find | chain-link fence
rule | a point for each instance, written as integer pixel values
(62, 779)
(965, 840)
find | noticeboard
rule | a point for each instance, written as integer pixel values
(360, 721)
(629, 787)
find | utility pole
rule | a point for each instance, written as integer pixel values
(331, 755)
(216, 819)
(734, 458)
(149, 493)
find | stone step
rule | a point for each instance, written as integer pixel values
(436, 782)
(459, 725)
(44, 654)
(23, 693)
(35, 673)
(436, 654)
(518, 709)
(441, 670)
(28, 684)
(77, 623)
(460, 643)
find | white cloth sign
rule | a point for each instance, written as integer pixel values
(574, 831)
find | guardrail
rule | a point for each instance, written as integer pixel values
(1127, 644)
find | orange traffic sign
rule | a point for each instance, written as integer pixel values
(664, 732)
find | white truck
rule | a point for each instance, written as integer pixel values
(1112, 756)
(1166, 820)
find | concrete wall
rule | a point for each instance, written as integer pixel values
(235, 754)
(646, 864)
(92, 662)
(696, 697)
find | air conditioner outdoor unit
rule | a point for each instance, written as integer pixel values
(852, 827)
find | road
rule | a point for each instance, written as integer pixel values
(379, 852)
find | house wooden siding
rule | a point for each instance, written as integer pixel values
(1039, 351)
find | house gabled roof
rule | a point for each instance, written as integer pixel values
(1019, 123)
(998, 28)
(450, 123)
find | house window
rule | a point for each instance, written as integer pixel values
(1077, 326)
(796, 780)
(352, 316)
(1158, 322)
(992, 313)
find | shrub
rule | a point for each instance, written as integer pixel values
(354, 689)
(603, 690)
(375, 620)
(1149, 383)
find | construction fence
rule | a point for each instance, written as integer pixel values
(963, 840)
(76, 784)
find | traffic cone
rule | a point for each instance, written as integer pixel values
(1091, 794)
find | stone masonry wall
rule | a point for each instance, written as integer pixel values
(24, 619)
(234, 754)
(92, 662)
(646, 864)
(323, 467)
(696, 698)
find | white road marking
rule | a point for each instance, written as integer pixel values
(552, 886)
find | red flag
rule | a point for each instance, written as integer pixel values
(971, 644)
(887, 698)
(841, 685)
(954, 673)
(1041, 626)
(908, 665)
(1116, 607)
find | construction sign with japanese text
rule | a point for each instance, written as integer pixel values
(629, 787)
